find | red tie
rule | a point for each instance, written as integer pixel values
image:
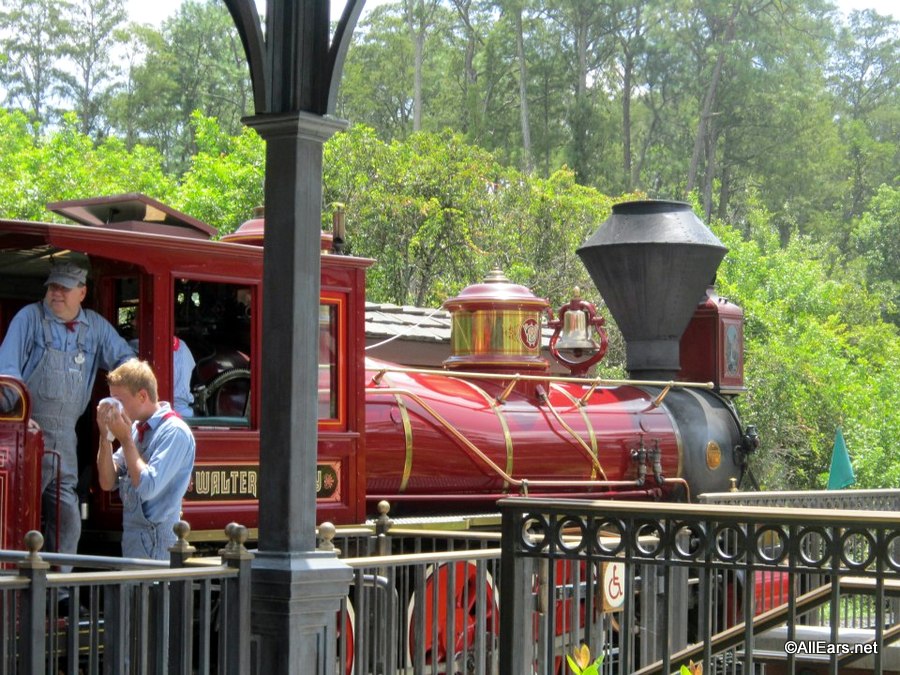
(142, 428)
(70, 325)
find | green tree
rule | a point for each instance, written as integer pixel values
(585, 35)
(876, 241)
(142, 110)
(67, 164)
(225, 178)
(865, 81)
(378, 75)
(419, 17)
(817, 356)
(195, 63)
(439, 214)
(514, 10)
(775, 130)
(422, 213)
(31, 39)
(91, 28)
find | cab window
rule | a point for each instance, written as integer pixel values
(331, 375)
(328, 397)
(213, 320)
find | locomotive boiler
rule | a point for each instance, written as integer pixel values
(495, 421)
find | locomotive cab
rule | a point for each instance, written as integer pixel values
(158, 277)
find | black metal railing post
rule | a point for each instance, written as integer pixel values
(234, 639)
(516, 599)
(382, 539)
(33, 635)
(116, 620)
(181, 607)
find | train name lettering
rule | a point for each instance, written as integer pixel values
(225, 483)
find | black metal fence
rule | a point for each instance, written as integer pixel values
(116, 615)
(856, 611)
(423, 600)
(738, 588)
(650, 587)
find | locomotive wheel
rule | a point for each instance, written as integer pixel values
(345, 637)
(454, 650)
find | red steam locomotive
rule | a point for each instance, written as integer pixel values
(491, 423)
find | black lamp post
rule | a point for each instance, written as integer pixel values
(295, 68)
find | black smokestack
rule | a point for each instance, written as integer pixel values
(651, 262)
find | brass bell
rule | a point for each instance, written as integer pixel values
(575, 333)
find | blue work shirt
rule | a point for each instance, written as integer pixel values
(168, 449)
(24, 344)
(182, 370)
(183, 367)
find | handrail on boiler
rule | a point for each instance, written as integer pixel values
(594, 382)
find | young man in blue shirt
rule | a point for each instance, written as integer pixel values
(56, 347)
(152, 467)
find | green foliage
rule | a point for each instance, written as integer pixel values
(91, 27)
(225, 178)
(876, 240)
(30, 37)
(580, 661)
(424, 211)
(818, 355)
(865, 80)
(439, 214)
(69, 165)
(195, 62)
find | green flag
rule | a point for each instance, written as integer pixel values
(841, 474)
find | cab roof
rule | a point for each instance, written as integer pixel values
(135, 212)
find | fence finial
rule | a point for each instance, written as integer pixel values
(34, 541)
(237, 535)
(383, 524)
(181, 547)
(327, 531)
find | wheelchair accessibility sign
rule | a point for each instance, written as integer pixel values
(613, 586)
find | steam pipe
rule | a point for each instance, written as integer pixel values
(679, 481)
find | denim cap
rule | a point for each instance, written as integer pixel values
(68, 275)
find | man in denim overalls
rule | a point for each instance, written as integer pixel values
(152, 467)
(56, 347)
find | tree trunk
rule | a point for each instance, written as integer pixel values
(711, 143)
(724, 190)
(419, 44)
(523, 91)
(418, 15)
(627, 167)
(709, 99)
(470, 123)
